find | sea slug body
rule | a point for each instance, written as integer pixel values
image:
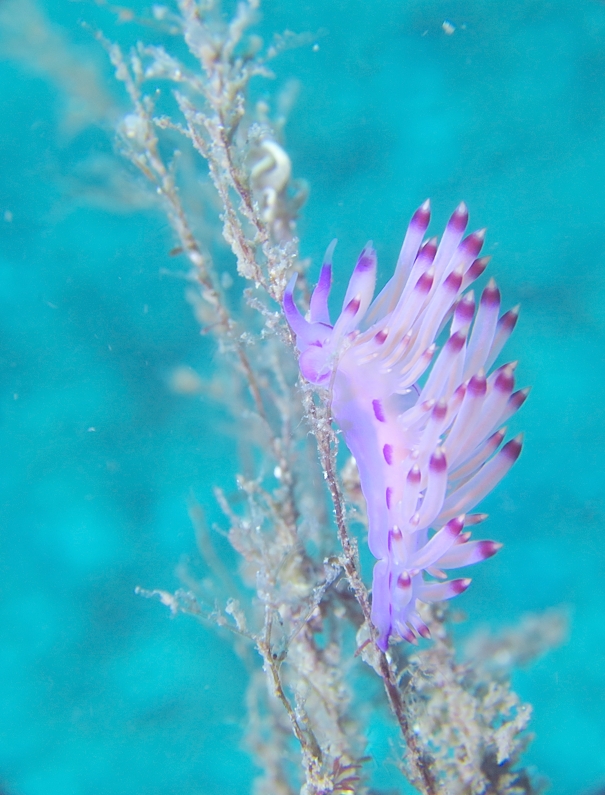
(423, 425)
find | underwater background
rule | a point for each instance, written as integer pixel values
(503, 107)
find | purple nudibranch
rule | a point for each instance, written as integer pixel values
(428, 449)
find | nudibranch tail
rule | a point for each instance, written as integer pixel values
(428, 446)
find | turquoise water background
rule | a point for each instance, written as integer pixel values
(99, 691)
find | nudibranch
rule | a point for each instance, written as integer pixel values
(424, 425)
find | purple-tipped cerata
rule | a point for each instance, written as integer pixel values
(425, 427)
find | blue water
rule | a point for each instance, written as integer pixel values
(99, 691)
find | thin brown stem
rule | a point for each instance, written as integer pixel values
(420, 762)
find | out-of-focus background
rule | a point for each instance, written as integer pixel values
(501, 104)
